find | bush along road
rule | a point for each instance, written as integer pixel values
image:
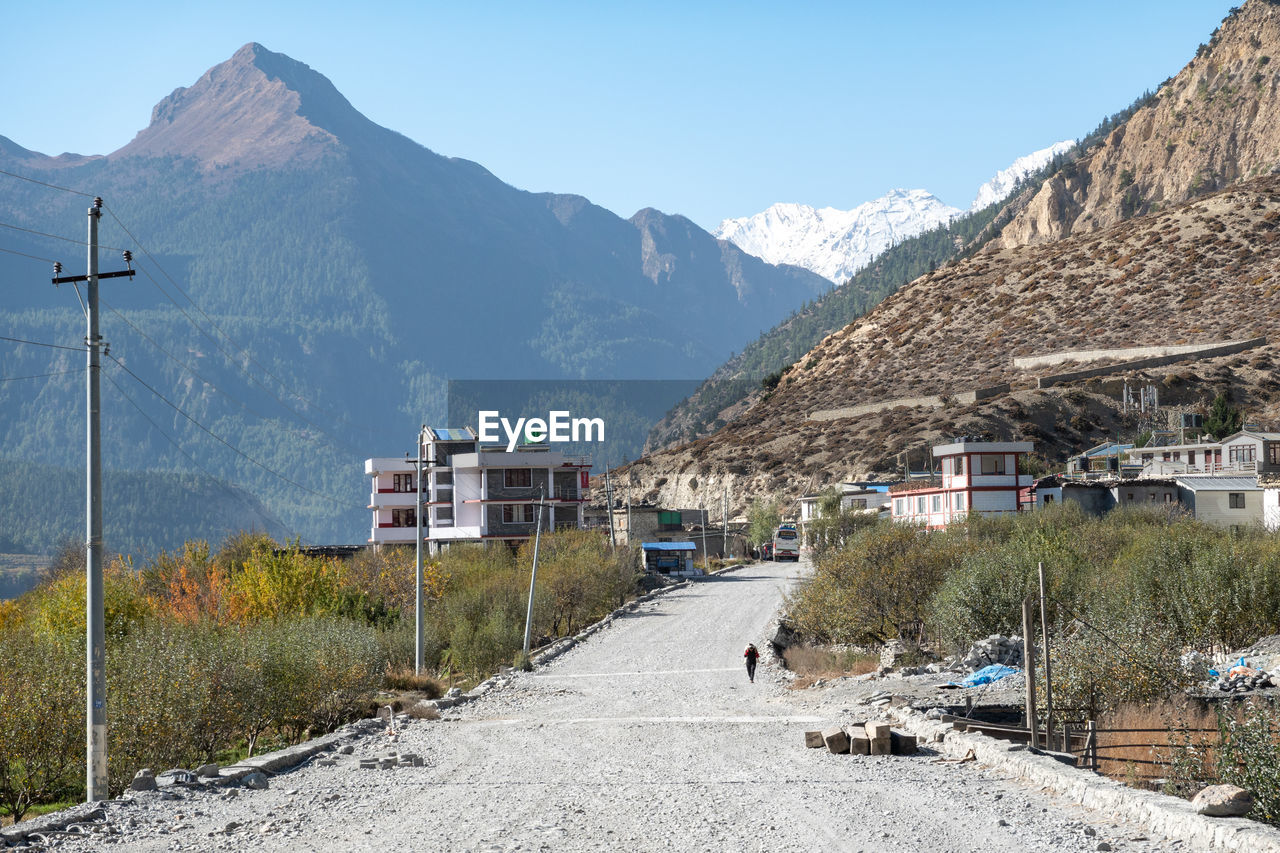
(647, 736)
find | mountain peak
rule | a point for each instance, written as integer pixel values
(259, 108)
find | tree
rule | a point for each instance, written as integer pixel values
(1224, 419)
(763, 519)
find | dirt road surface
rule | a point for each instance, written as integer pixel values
(648, 736)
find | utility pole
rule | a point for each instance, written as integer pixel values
(725, 544)
(533, 577)
(1029, 667)
(706, 558)
(95, 788)
(628, 515)
(417, 612)
(1048, 677)
(608, 497)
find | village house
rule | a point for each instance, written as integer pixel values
(473, 492)
(976, 476)
(1232, 502)
(858, 497)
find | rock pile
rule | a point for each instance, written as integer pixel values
(1241, 679)
(870, 738)
(994, 649)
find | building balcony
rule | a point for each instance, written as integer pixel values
(392, 500)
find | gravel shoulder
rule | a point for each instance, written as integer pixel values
(648, 736)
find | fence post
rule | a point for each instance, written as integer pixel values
(1091, 746)
(1048, 676)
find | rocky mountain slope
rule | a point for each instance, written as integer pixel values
(1216, 122)
(357, 269)
(1203, 271)
(1186, 271)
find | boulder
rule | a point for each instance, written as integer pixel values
(176, 777)
(207, 771)
(257, 780)
(1223, 801)
(143, 780)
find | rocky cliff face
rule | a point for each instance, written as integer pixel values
(1216, 122)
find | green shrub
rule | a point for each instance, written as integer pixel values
(1250, 755)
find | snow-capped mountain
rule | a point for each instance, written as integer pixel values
(836, 243)
(999, 187)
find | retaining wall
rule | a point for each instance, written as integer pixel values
(1229, 348)
(933, 401)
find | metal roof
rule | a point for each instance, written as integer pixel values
(669, 546)
(1218, 484)
(451, 433)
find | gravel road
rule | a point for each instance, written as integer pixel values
(648, 736)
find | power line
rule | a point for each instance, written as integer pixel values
(40, 344)
(222, 332)
(183, 364)
(219, 438)
(171, 440)
(55, 236)
(45, 184)
(230, 358)
(25, 255)
(36, 375)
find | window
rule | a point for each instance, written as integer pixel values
(1168, 497)
(959, 500)
(992, 464)
(444, 513)
(937, 503)
(402, 482)
(920, 505)
(1048, 499)
(517, 478)
(1129, 497)
(898, 508)
(959, 466)
(403, 518)
(444, 478)
(517, 514)
(1241, 453)
(1273, 452)
(858, 503)
(1235, 500)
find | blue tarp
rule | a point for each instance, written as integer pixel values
(988, 674)
(669, 546)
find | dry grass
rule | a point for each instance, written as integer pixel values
(404, 678)
(812, 663)
(1123, 755)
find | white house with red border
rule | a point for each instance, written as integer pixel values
(473, 492)
(977, 476)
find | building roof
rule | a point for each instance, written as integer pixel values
(1108, 449)
(983, 447)
(451, 433)
(1253, 433)
(1218, 484)
(669, 546)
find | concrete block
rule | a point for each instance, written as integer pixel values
(814, 740)
(860, 745)
(836, 740)
(881, 746)
(877, 730)
(901, 744)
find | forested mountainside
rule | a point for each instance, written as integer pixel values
(309, 280)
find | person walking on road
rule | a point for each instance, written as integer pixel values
(751, 654)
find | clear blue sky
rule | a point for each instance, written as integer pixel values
(702, 108)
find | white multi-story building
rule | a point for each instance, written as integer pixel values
(473, 492)
(977, 476)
